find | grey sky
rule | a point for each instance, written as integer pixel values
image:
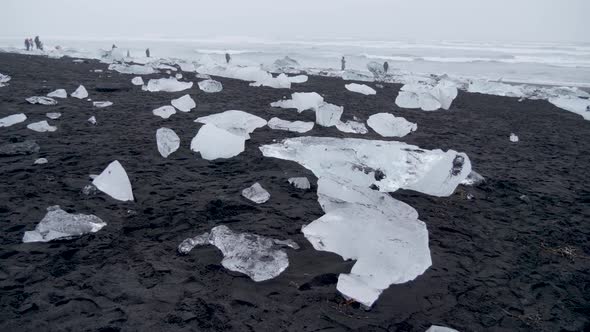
(477, 20)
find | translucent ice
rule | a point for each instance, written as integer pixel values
(184, 103)
(328, 115)
(300, 183)
(12, 120)
(286, 64)
(80, 93)
(295, 126)
(210, 86)
(114, 182)
(573, 104)
(236, 122)
(436, 328)
(167, 141)
(92, 120)
(58, 224)
(4, 80)
(352, 127)
(132, 69)
(164, 112)
(427, 97)
(301, 101)
(256, 75)
(167, 85)
(214, 143)
(42, 100)
(387, 125)
(360, 88)
(353, 75)
(102, 104)
(513, 138)
(256, 194)
(59, 93)
(40, 161)
(53, 115)
(41, 127)
(137, 81)
(256, 256)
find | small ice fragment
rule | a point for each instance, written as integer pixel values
(4, 79)
(300, 183)
(352, 127)
(40, 161)
(58, 224)
(41, 127)
(164, 112)
(42, 100)
(167, 141)
(80, 93)
(114, 182)
(187, 245)
(137, 81)
(59, 93)
(89, 190)
(360, 88)
(12, 120)
(168, 85)
(214, 143)
(328, 115)
(210, 86)
(92, 120)
(513, 138)
(178, 76)
(256, 193)
(473, 179)
(573, 104)
(184, 103)
(102, 104)
(301, 101)
(295, 126)
(53, 115)
(387, 125)
(436, 328)
(236, 122)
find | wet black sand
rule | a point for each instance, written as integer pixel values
(499, 262)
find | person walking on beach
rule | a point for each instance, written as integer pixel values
(114, 46)
(128, 54)
(386, 66)
(147, 52)
(227, 58)
(38, 43)
(27, 45)
(343, 64)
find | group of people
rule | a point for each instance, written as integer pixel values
(147, 51)
(385, 65)
(31, 44)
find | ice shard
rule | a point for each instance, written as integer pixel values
(236, 122)
(387, 125)
(328, 115)
(210, 86)
(214, 143)
(58, 224)
(184, 103)
(164, 112)
(295, 126)
(18, 149)
(41, 127)
(92, 120)
(42, 100)
(80, 93)
(360, 88)
(12, 120)
(300, 182)
(168, 85)
(59, 93)
(256, 194)
(353, 127)
(436, 328)
(301, 101)
(114, 182)
(167, 140)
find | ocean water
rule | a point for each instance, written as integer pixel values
(534, 63)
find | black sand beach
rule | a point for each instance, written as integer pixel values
(500, 263)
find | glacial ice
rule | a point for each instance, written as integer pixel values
(363, 222)
(300, 182)
(427, 97)
(12, 120)
(301, 101)
(164, 112)
(214, 143)
(445, 93)
(102, 104)
(42, 100)
(167, 140)
(210, 86)
(92, 120)
(53, 115)
(114, 182)
(513, 138)
(58, 224)
(167, 85)
(328, 115)
(184, 103)
(132, 69)
(573, 104)
(295, 126)
(59, 93)
(286, 64)
(353, 127)
(261, 258)
(80, 93)
(256, 194)
(41, 127)
(298, 79)
(4, 80)
(203, 76)
(41, 161)
(354, 75)
(360, 88)
(387, 125)
(436, 328)
(137, 80)
(236, 122)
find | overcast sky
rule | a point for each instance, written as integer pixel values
(475, 20)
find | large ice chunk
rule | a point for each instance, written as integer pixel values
(355, 75)
(387, 125)
(256, 194)
(256, 75)
(59, 93)
(573, 104)
(132, 69)
(210, 86)
(58, 224)
(80, 93)
(214, 143)
(353, 127)
(328, 115)
(167, 141)
(427, 97)
(164, 112)
(42, 100)
(295, 126)
(260, 258)
(114, 182)
(170, 84)
(184, 103)
(137, 81)
(513, 138)
(301, 101)
(41, 127)
(236, 122)
(286, 64)
(12, 120)
(360, 88)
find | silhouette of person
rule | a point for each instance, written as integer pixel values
(227, 58)
(343, 64)
(38, 43)
(147, 52)
(386, 66)
(27, 45)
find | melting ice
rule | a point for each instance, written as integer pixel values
(58, 224)
(387, 125)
